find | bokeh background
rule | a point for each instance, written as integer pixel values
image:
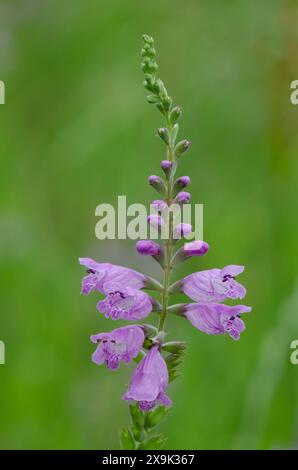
(76, 131)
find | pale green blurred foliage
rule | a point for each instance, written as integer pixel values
(76, 131)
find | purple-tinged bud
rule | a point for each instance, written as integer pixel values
(153, 179)
(159, 205)
(183, 197)
(167, 167)
(183, 181)
(181, 147)
(148, 248)
(164, 135)
(182, 230)
(166, 164)
(195, 248)
(157, 183)
(154, 220)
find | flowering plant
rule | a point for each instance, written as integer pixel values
(126, 296)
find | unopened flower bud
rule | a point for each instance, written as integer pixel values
(184, 181)
(164, 135)
(180, 183)
(182, 230)
(152, 99)
(195, 248)
(175, 114)
(148, 39)
(183, 197)
(150, 248)
(154, 220)
(166, 165)
(176, 347)
(181, 147)
(157, 183)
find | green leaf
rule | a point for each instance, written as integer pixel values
(153, 443)
(154, 417)
(127, 441)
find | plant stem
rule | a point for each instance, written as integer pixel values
(169, 242)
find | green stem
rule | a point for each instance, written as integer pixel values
(169, 242)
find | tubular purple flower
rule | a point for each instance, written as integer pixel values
(148, 247)
(100, 275)
(183, 197)
(122, 344)
(215, 319)
(125, 303)
(182, 230)
(149, 382)
(214, 285)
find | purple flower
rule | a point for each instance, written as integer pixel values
(148, 247)
(214, 285)
(125, 303)
(182, 230)
(101, 275)
(195, 248)
(216, 319)
(122, 344)
(149, 382)
(183, 197)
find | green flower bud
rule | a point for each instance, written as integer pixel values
(181, 147)
(152, 99)
(164, 135)
(148, 39)
(176, 347)
(175, 114)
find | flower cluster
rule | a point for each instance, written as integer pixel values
(125, 290)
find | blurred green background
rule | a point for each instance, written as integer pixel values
(76, 131)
